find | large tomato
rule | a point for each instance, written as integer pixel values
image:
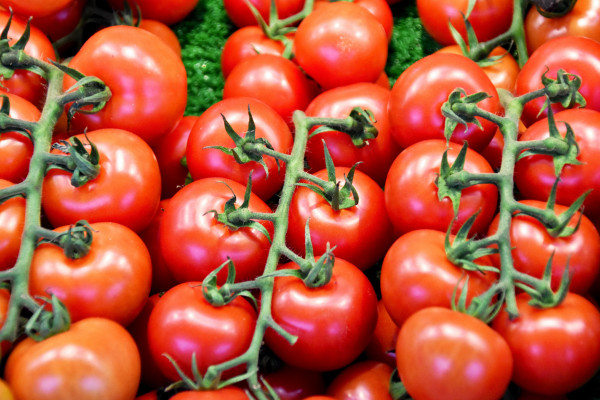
(146, 78)
(194, 243)
(418, 94)
(333, 323)
(576, 55)
(365, 380)
(12, 222)
(444, 354)
(341, 43)
(95, 359)
(183, 323)
(126, 191)
(555, 350)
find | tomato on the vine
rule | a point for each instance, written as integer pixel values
(12, 222)
(239, 11)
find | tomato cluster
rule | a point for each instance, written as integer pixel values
(323, 231)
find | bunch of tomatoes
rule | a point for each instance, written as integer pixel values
(324, 231)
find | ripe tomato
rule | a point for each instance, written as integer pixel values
(365, 380)
(361, 233)
(194, 243)
(12, 222)
(533, 246)
(415, 115)
(377, 154)
(576, 55)
(382, 346)
(489, 18)
(226, 393)
(163, 31)
(209, 130)
(382, 12)
(183, 323)
(169, 12)
(61, 22)
(126, 191)
(411, 194)
(555, 350)
(95, 359)
(341, 43)
(240, 14)
(444, 354)
(148, 97)
(333, 323)
(34, 8)
(291, 383)
(5, 345)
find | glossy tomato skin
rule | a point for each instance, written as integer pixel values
(169, 12)
(415, 115)
(112, 365)
(555, 350)
(533, 246)
(382, 347)
(361, 233)
(534, 175)
(164, 32)
(365, 380)
(488, 18)
(5, 345)
(576, 55)
(241, 16)
(12, 222)
(126, 191)
(416, 274)
(444, 354)
(333, 323)
(194, 243)
(382, 12)
(226, 393)
(34, 8)
(273, 79)
(411, 194)
(209, 130)
(155, 86)
(112, 281)
(183, 323)
(61, 22)
(377, 154)
(341, 43)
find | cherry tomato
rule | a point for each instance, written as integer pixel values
(444, 354)
(366, 380)
(240, 14)
(12, 222)
(167, 12)
(555, 350)
(95, 358)
(382, 346)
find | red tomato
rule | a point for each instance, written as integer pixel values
(415, 115)
(377, 154)
(361, 233)
(533, 246)
(341, 43)
(95, 359)
(169, 12)
(226, 393)
(382, 12)
(365, 380)
(126, 191)
(147, 80)
(534, 175)
(489, 18)
(240, 14)
(34, 8)
(555, 350)
(416, 274)
(382, 346)
(273, 79)
(12, 222)
(576, 55)
(183, 323)
(5, 345)
(411, 194)
(333, 323)
(209, 130)
(291, 383)
(194, 243)
(163, 31)
(444, 354)
(61, 22)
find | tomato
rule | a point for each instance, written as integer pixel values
(126, 191)
(226, 393)
(415, 115)
(273, 79)
(167, 12)
(77, 364)
(533, 246)
(34, 8)
(163, 31)
(556, 350)
(209, 130)
(361, 233)
(416, 274)
(194, 243)
(377, 154)
(12, 222)
(333, 323)
(27, 84)
(367, 380)
(489, 18)
(5, 345)
(444, 354)
(382, 12)
(61, 22)
(291, 383)
(382, 346)
(183, 323)
(240, 14)
(147, 80)
(341, 43)
(582, 20)
(576, 55)
(5, 391)
(411, 194)
(534, 175)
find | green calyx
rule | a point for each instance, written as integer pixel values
(83, 165)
